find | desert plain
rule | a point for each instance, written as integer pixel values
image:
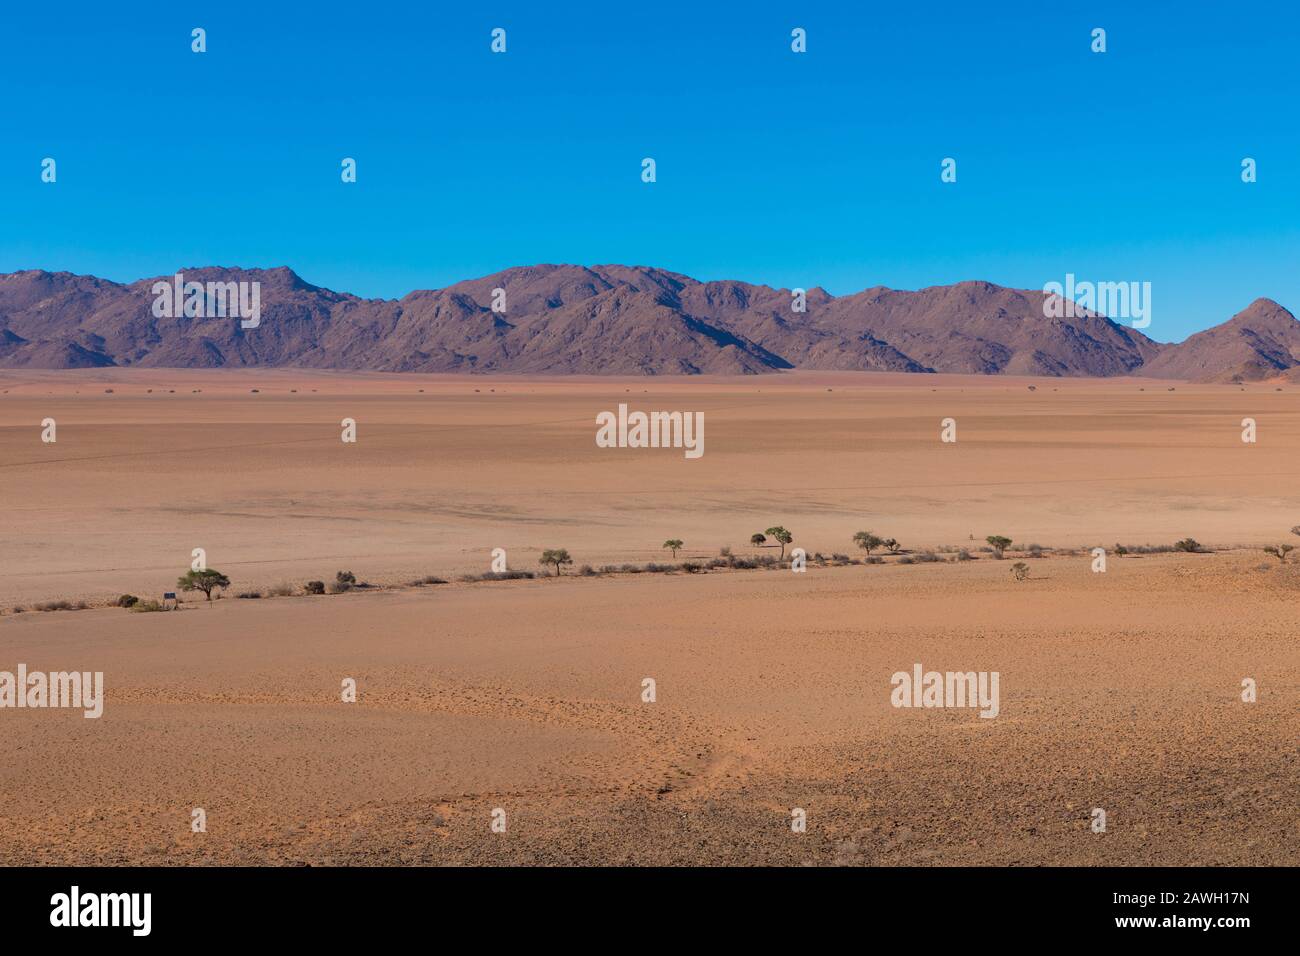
(1119, 691)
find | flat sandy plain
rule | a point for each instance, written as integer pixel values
(1118, 690)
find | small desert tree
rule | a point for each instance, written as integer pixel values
(758, 540)
(1280, 552)
(781, 535)
(866, 541)
(557, 557)
(998, 543)
(673, 545)
(204, 581)
(1020, 570)
(893, 546)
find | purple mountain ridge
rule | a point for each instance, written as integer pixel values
(615, 320)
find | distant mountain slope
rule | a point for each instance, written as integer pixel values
(1262, 341)
(562, 319)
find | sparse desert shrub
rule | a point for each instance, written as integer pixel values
(1280, 551)
(724, 551)
(717, 563)
(1189, 545)
(927, 557)
(631, 568)
(652, 568)
(867, 540)
(54, 606)
(1034, 551)
(1120, 550)
(587, 571)
(758, 540)
(893, 545)
(280, 590)
(314, 587)
(499, 576)
(340, 587)
(432, 579)
(127, 600)
(345, 577)
(874, 559)
(206, 581)
(1295, 529)
(691, 567)
(249, 595)
(609, 569)
(906, 559)
(558, 557)
(964, 555)
(147, 607)
(996, 554)
(1020, 570)
(19, 609)
(781, 536)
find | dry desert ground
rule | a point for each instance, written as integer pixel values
(1119, 690)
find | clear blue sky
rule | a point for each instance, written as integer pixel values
(792, 170)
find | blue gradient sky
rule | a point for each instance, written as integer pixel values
(820, 169)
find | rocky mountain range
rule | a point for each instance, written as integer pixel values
(613, 320)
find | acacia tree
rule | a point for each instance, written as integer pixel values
(866, 540)
(204, 581)
(893, 546)
(780, 534)
(998, 542)
(555, 556)
(673, 545)
(1280, 552)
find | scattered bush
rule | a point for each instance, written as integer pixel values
(927, 557)
(127, 600)
(206, 581)
(1280, 552)
(996, 554)
(345, 577)
(906, 559)
(875, 559)
(146, 607)
(499, 576)
(1020, 570)
(1189, 545)
(587, 571)
(555, 556)
(867, 540)
(314, 587)
(964, 555)
(280, 590)
(724, 551)
(54, 606)
(691, 567)
(249, 595)
(781, 536)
